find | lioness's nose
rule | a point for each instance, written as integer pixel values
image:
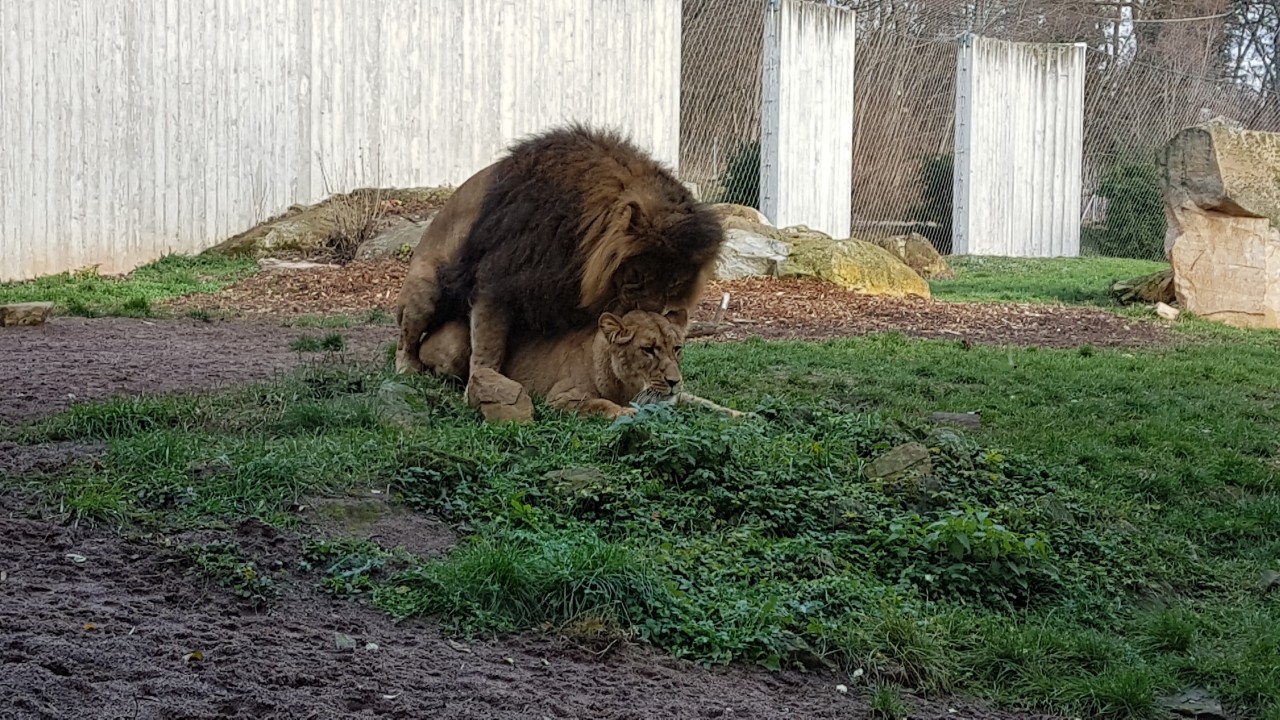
(673, 384)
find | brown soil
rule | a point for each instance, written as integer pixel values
(96, 626)
(811, 310)
(770, 309)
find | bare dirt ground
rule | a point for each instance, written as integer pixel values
(770, 309)
(72, 359)
(99, 624)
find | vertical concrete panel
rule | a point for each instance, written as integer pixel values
(1018, 149)
(134, 129)
(806, 136)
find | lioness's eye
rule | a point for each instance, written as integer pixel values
(651, 350)
(679, 348)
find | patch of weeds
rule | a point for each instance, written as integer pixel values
(118, 417)
(355, 218)
(1170, 631)
(892, 642)
(378, 316)
(522, 581)
(886, 702)
(333, 342)
(333, 414)
(349, 566)
(136, 306)
(200, 315)
(224, 563)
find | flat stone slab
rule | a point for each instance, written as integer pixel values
(25, 314)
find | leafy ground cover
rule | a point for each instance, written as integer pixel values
(1110, 536)
(1104, 540)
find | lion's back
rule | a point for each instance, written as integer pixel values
(545, 196)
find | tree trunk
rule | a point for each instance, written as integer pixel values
(1154, 288)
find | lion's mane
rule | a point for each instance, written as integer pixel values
(576, 222)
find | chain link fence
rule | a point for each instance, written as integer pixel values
(720, 98)
(1154, 67)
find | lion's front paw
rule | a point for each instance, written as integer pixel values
(498, 397)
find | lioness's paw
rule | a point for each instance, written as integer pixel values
(406, 362)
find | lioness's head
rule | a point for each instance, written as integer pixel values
(642, 350)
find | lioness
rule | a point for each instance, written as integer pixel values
(599, 370)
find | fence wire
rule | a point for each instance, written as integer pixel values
(720, 98)
(1145, 81)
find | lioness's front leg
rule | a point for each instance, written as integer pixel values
(591, 406)
(690, 399)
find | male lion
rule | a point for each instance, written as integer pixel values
(597, 370)
(571, 224)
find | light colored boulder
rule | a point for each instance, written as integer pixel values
(399, 238)
(753, 250)
(1222, 204)
(744, 212)
(25, 314)
(746, 253)
(852, 264)
(855, 265)
(919, 254)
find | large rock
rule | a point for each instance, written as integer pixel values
(851, 264)
(1222, 204)
(724, 211)
(312, 229)
(919, 254)
(400, 238)
(1150, 289)
(25, 314)
(749, 254)
(755, 250)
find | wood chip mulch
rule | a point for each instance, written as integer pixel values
(770, 309)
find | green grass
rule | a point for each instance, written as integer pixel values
(1075, 281)
(132, 295)
(1096, 545)
(333, 342)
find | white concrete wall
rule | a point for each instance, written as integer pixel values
(1018, 149)
(806, 138)
(134, 128)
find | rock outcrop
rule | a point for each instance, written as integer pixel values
(1221, 190)
(919, 254)
(756, 250)
(25, 314)
(356, 218)
(750, 254)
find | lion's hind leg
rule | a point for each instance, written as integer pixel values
(416, 307)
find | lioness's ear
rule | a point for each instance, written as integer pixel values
(677, 316)
(613, 329)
